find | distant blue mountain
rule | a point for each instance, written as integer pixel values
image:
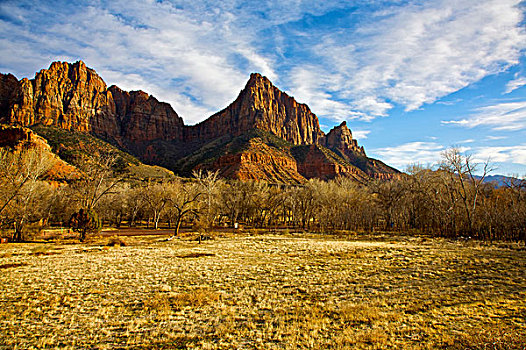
(499, 180)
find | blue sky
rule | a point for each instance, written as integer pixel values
(410, 77)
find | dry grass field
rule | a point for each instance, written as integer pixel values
(263, 292)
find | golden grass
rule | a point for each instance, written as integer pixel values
(263, 292)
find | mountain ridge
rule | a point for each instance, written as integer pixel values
(72, 96)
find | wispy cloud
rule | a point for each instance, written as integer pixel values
(415, 54)
(494, 138)
(430, 153)
(310, 88)
(507, 116)
(514, 84)
(360, 134)
(514, 154)
(197, 55)
(408, 153)
(466, 141)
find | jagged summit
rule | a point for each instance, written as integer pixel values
(74, 97)
(261, 105)
(340, 137)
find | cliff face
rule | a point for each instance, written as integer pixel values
(73, 97)
(142, 117)
(256, 162)
(316, 161)
(70, 96)
(261, 105)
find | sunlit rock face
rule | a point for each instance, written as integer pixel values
(260, 105)
(72, 96)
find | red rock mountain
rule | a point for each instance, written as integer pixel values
(288, 147)
(260, 105)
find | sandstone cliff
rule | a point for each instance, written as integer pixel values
(260, 105)
(73, 97)
(315, 161)
(340, 138)
(142, 117)
(70, 96)
(258, 161)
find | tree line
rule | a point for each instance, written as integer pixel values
(447, 201)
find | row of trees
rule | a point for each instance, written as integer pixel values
(450, 201)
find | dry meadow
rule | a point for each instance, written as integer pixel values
(263, 291)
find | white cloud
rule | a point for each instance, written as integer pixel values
(466, 141)
(515, 84)
(308, 87)
(506, 116)
(360, 134)
(197, 55)
(409, 153)
(513, 154)
(148, 46)
(415, 54)
(403, 155)
(494, 138)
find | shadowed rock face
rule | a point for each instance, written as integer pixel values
(142, 117)
(73, 97)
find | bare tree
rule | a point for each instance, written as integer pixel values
(156, 197)
(20, 171)
(136, 202)
(184, 202)
(388, 196)
(97, 179)
(209, 184)
(461, 170)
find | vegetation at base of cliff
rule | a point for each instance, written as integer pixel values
(333, 156)
(210, 152)
(371, 165)
(72, 145)
(206, 154)
(449, 202)
(300, 152)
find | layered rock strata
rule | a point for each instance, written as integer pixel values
(260, 105)
(74, 97)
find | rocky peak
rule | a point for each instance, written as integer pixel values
(68, 95)
(260, 105)
(72, 96)
(340, 138)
